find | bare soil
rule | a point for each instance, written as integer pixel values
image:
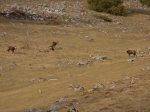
(32, 77)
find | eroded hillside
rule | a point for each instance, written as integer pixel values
(89, 69)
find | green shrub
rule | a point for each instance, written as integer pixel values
(109, 6)
(145, 2)
(118, 10)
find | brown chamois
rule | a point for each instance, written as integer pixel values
(11, 48)
(52, 47)
(131, 52)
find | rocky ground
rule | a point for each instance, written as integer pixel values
(63, 11)
(57, 12)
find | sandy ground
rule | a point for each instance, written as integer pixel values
(32, 77)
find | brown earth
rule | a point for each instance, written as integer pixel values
(32, 77)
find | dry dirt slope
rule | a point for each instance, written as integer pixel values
(22, 73)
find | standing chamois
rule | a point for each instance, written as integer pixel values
(11, 48)
(52, 47)
(131, 52)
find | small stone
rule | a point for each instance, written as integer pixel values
(40, 91)
(33, 110)
(77, 88)
(132, 81)
(118, 23)
(131, 60)
(81, 63)
(91, 40)
(99, 86)
(3, 34)
(72, 109)
(56, 106)
(98, 57)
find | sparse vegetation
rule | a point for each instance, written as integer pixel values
(145, 2)
(109, 6)
(54, 22)
(105, 18)
(118, 10)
